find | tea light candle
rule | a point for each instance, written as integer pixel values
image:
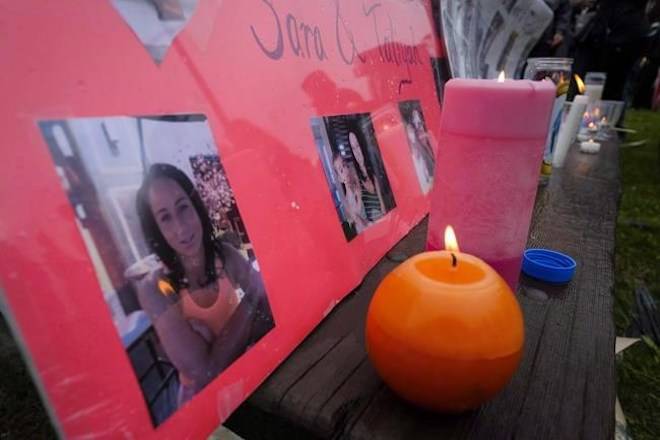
(590, 147)
(492, 136)
(589, 133)
(582, 131)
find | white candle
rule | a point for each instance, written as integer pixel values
(590, 147)
(568, 130)
(594, 92)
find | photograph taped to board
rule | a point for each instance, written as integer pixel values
(354, 170)
(173, 259)
(420, 146)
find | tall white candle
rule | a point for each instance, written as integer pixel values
(594, 92)
(568, 130)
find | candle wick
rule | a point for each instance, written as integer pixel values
(454, 261)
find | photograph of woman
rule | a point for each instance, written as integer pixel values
(171, 253)
(372, 199)
(206, 302)
(354, 170)
(418, 139)
(350, 194)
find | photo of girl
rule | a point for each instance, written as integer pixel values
(205, 300)
(354, 170)
(169, 247)
(420, 146)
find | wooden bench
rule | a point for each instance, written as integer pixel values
(565, 386)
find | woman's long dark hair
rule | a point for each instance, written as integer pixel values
(154, 236)
(365, 154)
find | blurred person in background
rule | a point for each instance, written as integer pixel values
(554, 41)
(640, 92)
(609, 37)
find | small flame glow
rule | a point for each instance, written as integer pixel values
(580, 84)
(451, 244)
(591, 126)
(501, 77)
(165, 287)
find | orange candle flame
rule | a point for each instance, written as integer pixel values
(580, 84)
(451, 244)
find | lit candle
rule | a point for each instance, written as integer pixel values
(442, 325)
(590, 147)
(570, 126)
(588, 130)
(492, 136)
(592, 127)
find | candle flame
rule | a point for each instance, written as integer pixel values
(591, 125)
(165, 287)
(580, 84)
(451, 244)
(501, 77)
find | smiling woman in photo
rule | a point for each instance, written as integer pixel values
(206, 302)
(354, 170)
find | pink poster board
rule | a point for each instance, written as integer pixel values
(305, 130)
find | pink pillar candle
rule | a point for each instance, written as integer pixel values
(492, 136)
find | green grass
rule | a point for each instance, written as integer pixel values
(638, 261)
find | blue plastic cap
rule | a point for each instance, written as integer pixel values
(549, 266)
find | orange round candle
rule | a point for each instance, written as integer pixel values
(444, 331)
